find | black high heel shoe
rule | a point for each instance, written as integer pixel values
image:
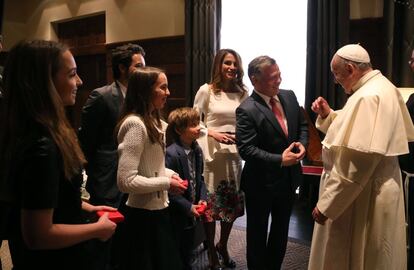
(224, 255)
(212, 265)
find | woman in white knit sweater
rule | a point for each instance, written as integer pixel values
(147, 237)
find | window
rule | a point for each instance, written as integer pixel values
(274, 28)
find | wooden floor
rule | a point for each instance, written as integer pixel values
(301, 222)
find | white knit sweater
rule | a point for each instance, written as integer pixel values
(139, 163)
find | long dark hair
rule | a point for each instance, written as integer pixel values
(138, 100)
(216, 77)
(30, 99)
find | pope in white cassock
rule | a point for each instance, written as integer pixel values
(360, 222)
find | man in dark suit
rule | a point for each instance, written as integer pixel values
(99, 118)
(271, 135)
(96, 135)
(407, 166)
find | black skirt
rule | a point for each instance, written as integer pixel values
(149, 241)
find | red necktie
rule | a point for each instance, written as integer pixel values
(278, 114)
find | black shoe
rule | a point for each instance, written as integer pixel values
(224, 256)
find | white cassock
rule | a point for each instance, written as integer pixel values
(361, 190)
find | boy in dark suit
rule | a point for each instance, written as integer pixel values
(185, 157)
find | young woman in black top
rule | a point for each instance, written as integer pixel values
(41, 161)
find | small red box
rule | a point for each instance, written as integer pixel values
(185, 183)
(201, 209)
(114, 216)
(312, 170)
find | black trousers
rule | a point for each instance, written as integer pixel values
(185, 240)
(266, 251)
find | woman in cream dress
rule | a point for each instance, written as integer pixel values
(217, 103)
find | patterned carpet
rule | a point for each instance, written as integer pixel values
(296, 258)
(297, 254)
(5, 256)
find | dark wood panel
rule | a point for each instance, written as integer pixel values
(82, 31)
(173, 69)
(89, 50)
(86, 39)
(173, 103)
(159, 51)
(167, 53)
(92, 71)
(1, 15)
(95, 68)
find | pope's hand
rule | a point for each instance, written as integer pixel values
(321, 107)
(318, 216)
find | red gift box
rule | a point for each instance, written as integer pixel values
(114, 216)
(201, 208)
(185, 183)
(312, 170)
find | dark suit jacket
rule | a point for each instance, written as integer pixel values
(261, 141)
(99, 118)
(407, 161)
(180, 205)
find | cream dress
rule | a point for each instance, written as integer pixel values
(222, 163)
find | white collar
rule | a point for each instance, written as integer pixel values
(266, 98)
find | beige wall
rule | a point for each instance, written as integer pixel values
(361, 9)
(125, 19)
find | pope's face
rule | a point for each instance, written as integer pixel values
(341, 74)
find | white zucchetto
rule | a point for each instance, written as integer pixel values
(354, 52)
